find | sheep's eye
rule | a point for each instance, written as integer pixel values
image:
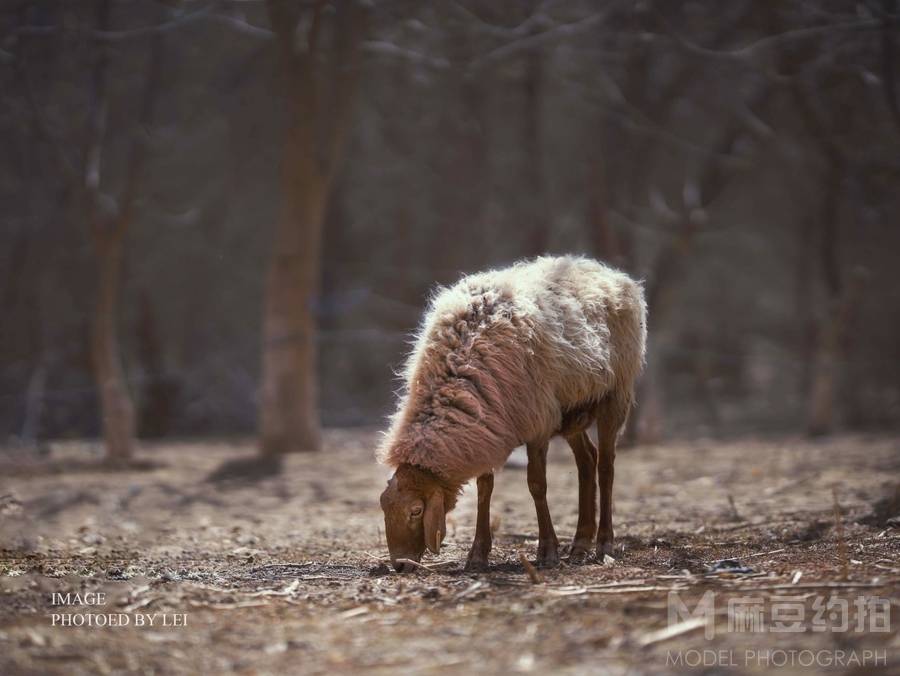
(416, 511)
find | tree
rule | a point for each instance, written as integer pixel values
(109, 219)
(538, 223)
(108, 213)
(319, 81)
(645, 114)
(842, 292)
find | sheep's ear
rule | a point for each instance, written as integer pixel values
(435, 521)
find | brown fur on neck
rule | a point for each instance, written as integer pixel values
(413, 477)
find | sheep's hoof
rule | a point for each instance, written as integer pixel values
(578, 554)
(547, 555)
(604, 548)
(476, 564)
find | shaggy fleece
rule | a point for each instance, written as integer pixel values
(503, 356)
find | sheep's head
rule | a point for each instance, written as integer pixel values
(415, 504)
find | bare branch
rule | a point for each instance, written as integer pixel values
(768, 42)
(638, 121)
(241, 26)
(42, 129)
(111, 37)
(384, 48)
(535, 40)
(106, 35)
(352, 23)
(816, 125)
(139, 149)
(537, 19)
(97, 125)
(284, 17)
(312, 36)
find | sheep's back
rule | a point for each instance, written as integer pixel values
(578, 325)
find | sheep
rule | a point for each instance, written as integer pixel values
(504, 358)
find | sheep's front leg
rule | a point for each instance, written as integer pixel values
(548, 545)
(481, 545)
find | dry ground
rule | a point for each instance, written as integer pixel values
(282, 575)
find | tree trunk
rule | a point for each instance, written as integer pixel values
(315, 137)
(158, 390)
(821, 393)
(290, 417)
(537, 220)
(803, 303)
(647, 420)
(604, 242)
(108, 229)
(645, 425)
(843, 296)
(117, 411)
(827, 351)
(830, 353)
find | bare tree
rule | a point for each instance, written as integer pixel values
(109, 219)
(319, 74)
(108, 215)
(710, 179)
(842, 292)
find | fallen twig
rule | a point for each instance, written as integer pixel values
(570, 591)
(287, 591)
(139, 604)
(132, 596)
(227, 606)
(530, 570)
(734, 513)
(774, 551)
(619, 583)
(815, 585)
(748, 524)
(475, 586)
(839, 529)
(441, 564)
(666, 633)
(417, 565)
(353, 612)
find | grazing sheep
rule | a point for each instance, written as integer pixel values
(504, 358)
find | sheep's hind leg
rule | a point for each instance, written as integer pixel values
(481, 545)
(610, 418)
(586, 460)
(548, 545)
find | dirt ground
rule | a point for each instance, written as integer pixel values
(286, 574)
